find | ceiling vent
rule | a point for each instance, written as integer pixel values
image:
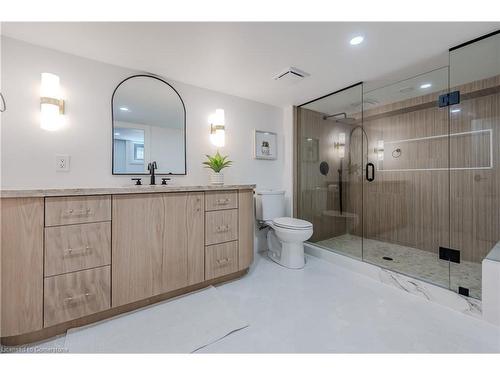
(291, 75)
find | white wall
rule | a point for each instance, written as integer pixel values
(28, 152)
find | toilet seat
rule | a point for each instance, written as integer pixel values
(292, 223)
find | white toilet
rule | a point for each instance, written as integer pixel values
(286, 236)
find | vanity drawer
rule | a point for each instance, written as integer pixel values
(221, 259)
(75, 210)
(76, 247)
(221, 200)
(73, 295)
(221, 226)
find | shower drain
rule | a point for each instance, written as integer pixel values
(387, 258)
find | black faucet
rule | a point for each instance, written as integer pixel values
(151, 168)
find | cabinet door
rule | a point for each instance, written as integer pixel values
(21, 265)
(157, 244)
(137, 246)
(183, 249)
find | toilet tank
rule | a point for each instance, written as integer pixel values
(269, 204)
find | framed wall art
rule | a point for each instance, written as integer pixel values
(265, 145)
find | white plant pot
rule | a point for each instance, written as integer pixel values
(216, 178)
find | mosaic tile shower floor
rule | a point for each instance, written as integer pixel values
(413, 262)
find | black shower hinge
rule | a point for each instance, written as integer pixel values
(450, 255)
(448, 99)
(463, 291)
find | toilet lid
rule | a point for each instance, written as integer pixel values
(291, 223)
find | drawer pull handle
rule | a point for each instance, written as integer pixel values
(222, 228)
(84, 212)
(74, 299)
(222, 201)
(82, 251)
(223, 261)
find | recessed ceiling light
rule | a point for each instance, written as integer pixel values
(356, 40)
(455, 110)
(425, 85)
(117, 133)
(125, 109)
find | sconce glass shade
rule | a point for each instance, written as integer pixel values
(50, 86)
(342, 151)
(217, 129)
(342, 139)
(51, 105)
(219, 118)
(218, 138)
(380, 150)
(50, 119)
(341, 145)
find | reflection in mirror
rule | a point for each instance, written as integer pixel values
(148, 125)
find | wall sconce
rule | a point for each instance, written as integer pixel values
(2, 101)
(340, 145)
(51, 104)
(379, 150)
(217, 128)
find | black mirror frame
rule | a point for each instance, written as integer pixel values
(113, 122)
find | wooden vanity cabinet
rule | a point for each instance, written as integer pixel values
(21, 265)
(72, 260)
(157, 244)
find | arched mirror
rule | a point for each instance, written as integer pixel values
(149, 124)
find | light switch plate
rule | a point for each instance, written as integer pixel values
(62, 163)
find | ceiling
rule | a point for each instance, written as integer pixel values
(349, 101)
(474, 62)
(242, 58)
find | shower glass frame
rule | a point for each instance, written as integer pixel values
(406, 206)
(323, 160)
(436, 191)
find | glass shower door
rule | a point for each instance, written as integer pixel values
(406, 184)
(474, 160)
(329, 175)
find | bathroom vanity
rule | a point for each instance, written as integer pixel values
(71, 257)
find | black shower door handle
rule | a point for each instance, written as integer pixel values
(370, 172)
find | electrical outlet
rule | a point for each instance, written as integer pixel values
(62, 163)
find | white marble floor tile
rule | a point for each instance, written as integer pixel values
(326, 308)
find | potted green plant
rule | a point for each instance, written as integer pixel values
(217, 163)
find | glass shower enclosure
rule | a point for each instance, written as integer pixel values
(407, 176)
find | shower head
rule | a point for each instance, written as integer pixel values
(341, 117)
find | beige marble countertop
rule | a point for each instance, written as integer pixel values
(133, 189)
